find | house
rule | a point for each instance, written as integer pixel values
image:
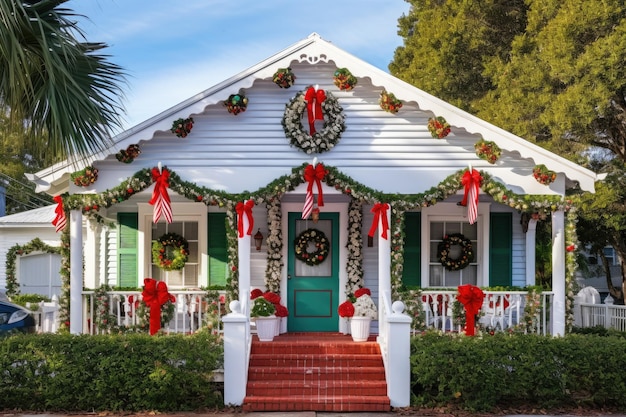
(387, 159)
(29, 248)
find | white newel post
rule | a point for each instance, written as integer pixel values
(76, 272)
(235, 357)
(558, 273)
(399, 363)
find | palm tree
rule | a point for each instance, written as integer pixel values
(55, 82)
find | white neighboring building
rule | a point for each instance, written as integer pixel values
(37, 272)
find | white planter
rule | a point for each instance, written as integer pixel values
(277, 326)
(265, 328)
(283, 325)
(360, 328)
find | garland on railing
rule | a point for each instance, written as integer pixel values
(400, 203)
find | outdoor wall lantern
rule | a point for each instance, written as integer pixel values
(258, 240)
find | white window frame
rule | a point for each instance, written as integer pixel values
(181, 212)
(451, 212)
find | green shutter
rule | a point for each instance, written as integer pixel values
(501, 250)
(127, 250)
(217, 249)
(412, 271)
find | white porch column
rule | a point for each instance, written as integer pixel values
(384, 262)
(91, 254)
(558, 273)
(531, 242)
(76, 272)
(243, 247)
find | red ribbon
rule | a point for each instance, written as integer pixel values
(155, 295)
(160, 198)
(314, 99)
(472, 299)
(315, 175)
(471, 181)
(244, 208)
(380, 215)
(60, 220)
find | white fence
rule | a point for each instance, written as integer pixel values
(46, 315)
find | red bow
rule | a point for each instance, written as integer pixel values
(313, 174)
(245, 208)
(160, 198)
(380, 215)
(60, 220)
(155, 295)
(472, 299)
(471, 180)
(314, 99)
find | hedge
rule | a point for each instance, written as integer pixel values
(134, 372)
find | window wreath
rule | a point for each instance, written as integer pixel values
(170, 252)
(320, 243)
(463, 260)
(320, 141)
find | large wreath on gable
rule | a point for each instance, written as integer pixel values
(315, 239)
(463, 260)
(322, 140)
(170, 252)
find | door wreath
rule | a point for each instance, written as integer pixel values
(463, 260)
(320, 243)
(170, 252)
(320, 141)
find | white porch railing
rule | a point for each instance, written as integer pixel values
(191, 311)
(606, 315)
(501, 310)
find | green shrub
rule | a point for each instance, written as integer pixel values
(133, 372)
(481, 373)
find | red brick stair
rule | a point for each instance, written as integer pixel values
(316, 372)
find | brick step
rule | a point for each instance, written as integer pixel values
(332, 403)
(319, 388)
(302, 373)
(315, 360)
(312, 347)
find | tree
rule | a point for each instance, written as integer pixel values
(553, 75)
(55, 83)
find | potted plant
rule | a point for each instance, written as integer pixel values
(263, 313)
(360, 309)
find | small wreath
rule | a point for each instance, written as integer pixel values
(467, 252)
(487, 150)
(389, 103)
(182, 127)
(543, 175)
(85, 177)
(344, 80)
(321, 141)
(129, 154)
(438, 127)
(236, 103)
(170, 252)
(284, 78)
(320, 242)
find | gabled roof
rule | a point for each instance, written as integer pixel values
(316, 51)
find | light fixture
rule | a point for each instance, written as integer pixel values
(258, 240)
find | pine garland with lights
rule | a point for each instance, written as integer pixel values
(274, 242)
(354, 264)
(541, 206)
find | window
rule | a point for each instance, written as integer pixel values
(440, 276)
(188, 276)
(609, 253)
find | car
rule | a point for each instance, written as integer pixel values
(15, 318)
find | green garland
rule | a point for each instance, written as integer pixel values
(170, 252)
(319, 240)
(467, 252)
(400, 203)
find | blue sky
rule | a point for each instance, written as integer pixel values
(173, 49)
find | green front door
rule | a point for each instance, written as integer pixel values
(313, 289)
